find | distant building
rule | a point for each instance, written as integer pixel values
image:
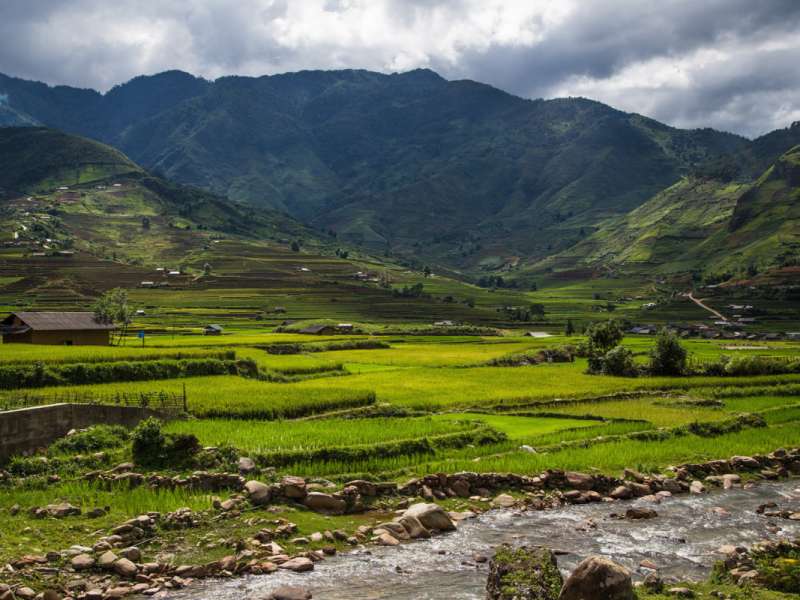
(58, 328)
(444, 323)
(212, 330)
(318, 330)
(345, 327)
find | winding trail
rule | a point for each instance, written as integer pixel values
(700, 303)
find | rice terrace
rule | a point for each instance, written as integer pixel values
(386, 334)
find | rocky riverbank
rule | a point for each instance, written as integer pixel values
(114, 566)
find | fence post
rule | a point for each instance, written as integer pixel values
(185, 403)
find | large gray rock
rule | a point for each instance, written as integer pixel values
(325, 503)
(523, 574)
(598, 578)
(290, 593)
(432, 516)
(300, 564)
(294, 487)
(258, 493)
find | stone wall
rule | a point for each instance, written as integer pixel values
(26, 429)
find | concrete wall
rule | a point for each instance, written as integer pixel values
(27, 429)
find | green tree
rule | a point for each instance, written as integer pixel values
(113, 308)
(295, 246)
(207, 268)
(537, 310)
(619, 362)
(668, 356)
(604, 336)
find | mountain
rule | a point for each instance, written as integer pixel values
(718, 227)
(454, 172)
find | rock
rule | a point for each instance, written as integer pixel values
(82, 562)
(132, 553)
(387, 539)
(461, 488)
(51, 595)
(597, 578)
(60, 511)
(325, 503)
(728, 481)
(431, 516)
(96, 513)
(294, 487)
(414, 527)
(580, 481)
(523, 573)
(298, 565)
(246, 465)
(290, 593)
(681, 592)
(745, 463)
(504, 501)
(107, 560)
(258, 493)
(639, 512)
(653, 583)
(621, 492)
(697, 487)
(25, 593)
(125, 568)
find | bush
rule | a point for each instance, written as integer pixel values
(619, 362)
(99, 437)
(668, 357)
(602, 337)
(152, 448)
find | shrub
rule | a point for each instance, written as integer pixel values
(92, 439)
(152, 448)
(668, 357)
(602, 337)
(619, 362)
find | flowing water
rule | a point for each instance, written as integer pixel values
(681, 541)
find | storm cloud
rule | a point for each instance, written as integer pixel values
(728, 64)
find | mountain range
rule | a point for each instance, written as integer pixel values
(454, 173)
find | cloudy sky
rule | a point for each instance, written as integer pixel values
(729, 64)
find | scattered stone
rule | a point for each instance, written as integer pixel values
(387, 539)
(63, 510)
(258, 493)
(290, 593)
(82, 562)
(125, 568)
(697, 487)
(504, 501)
(298, 565)
(431, 516)
(325, 503)
(681, 592)
(246, 465)
(640, 512)
(294, 487)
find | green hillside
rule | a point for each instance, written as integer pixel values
(452, 172)
(36, 159)
(720, 228)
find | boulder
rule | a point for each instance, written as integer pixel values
(246, 465)
(621, 492)
(504, 501)
(300, 564)
(431, 516)
(125, 568)
(639, 512)
(413, 527)
(287, 592)
(325, 503)
(597, 578)
(62, 510)
(697, 487)
(258, 493)
(580, 481)
(294, 487)
(82, 562)
(523, 573)
(107, 560)
(387, 539)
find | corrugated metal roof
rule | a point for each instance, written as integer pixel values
(59, 321)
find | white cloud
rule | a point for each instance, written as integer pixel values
(689, 63)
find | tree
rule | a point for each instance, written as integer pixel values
(537, 310)
(426, 271)
(668, 356)
(619, 362)
(569, 328)
(145, 223)
(207, 268)
(295, 246)
(113, 308)
(604, 336)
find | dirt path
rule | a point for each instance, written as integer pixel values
(699, 303)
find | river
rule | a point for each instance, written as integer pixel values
(681, 541)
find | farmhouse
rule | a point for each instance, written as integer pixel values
(60, 328)
(318, 330)
(213, 330)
